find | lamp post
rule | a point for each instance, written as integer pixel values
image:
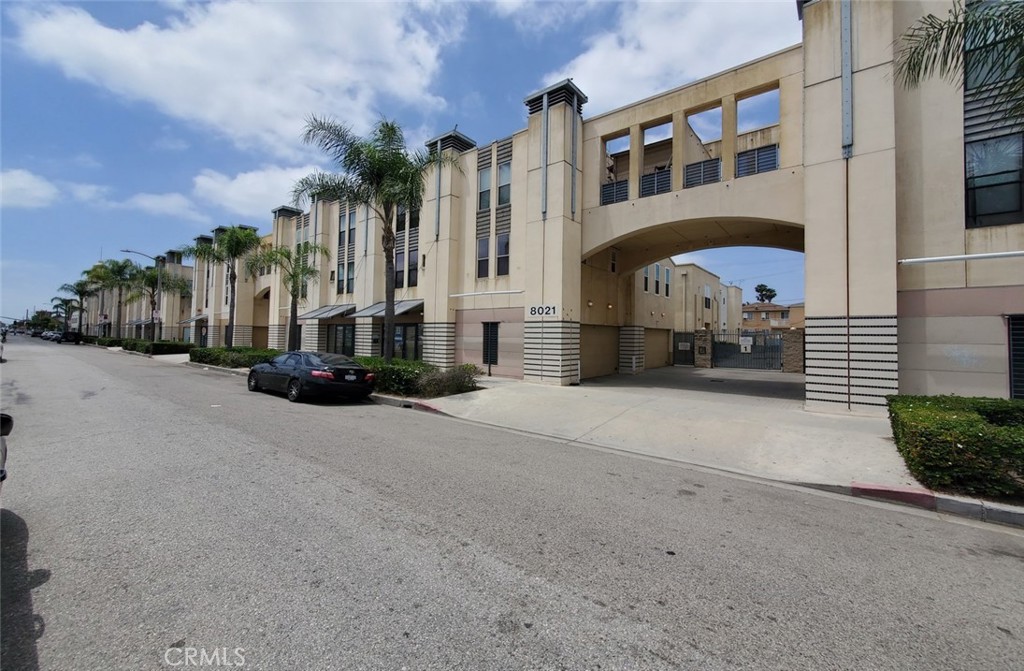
(158, 260)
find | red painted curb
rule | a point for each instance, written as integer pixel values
(419, 405)
(912, 496)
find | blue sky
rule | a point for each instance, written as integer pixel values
(140, 125)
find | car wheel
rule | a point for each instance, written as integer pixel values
(294, 391)
(254, 382)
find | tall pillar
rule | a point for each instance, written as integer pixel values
(728, 137)
(551, 341)
(632, 350)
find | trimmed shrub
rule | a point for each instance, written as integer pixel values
(231, 357)
(90, 339)
(109, 342)
(458, 380)
(963, 445)
(169, 347)
(400, 377)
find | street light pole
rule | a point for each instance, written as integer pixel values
(158, 260)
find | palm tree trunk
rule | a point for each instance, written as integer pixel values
(120, 292)
(81, 312)
(293, 321)
(232, 277)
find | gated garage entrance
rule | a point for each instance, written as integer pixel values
(757, 350)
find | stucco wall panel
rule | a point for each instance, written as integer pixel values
(599, 350)
(657, 348)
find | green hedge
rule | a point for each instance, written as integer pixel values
(963, 445)
(231, 357)
(90, 339)
(109, 342)
(400, 377)
(458, 380)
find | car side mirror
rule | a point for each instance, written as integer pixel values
(6, 424)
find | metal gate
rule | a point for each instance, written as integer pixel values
(752, 349)
(682, 349)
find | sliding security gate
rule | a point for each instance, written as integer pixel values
(682, 349)
(758, 350)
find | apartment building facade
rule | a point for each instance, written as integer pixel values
(527, 257)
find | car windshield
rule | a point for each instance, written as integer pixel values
(331, 359)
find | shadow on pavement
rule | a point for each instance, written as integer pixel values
(716, 381)
(21, 627)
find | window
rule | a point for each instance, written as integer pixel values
(668, 274)
(414, 221)
(414, 267)
(482, 257)
(341, 339)
(399, 270)
(746, 315)
(994, 181)
(490, 344)
(764, 316)
(657, 279)
(504, 183)
(341, 275)
(350, 277)
(501, 254)
(785, 314)
(484, 190)
(707, 303)
(400, 219)
(342, 229)
(352, 226)
(614, 261)
(647, 278)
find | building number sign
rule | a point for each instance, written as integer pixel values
(542, 311)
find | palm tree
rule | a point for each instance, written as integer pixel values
(295, 269)
(62, 309)
(116, 274)
(229, 246)
(377, 171)
(983, 43)
(149, 282)
(81, 289)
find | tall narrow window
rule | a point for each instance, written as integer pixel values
(414, 220)
(657, 279)
(399, 270)
(414, 270)
(342, 229)
(614, 261)
(350, 277)
(400, 220)
(501, 254)
(668, 274)
(352, 226)
(504, 183)
(647, 278)
(482, 257)
(341, 275)
(490, 344)
(484, 190)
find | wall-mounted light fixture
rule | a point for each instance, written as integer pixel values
(590, 304)
(609, 306)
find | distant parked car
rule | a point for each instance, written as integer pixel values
(36, 333)
(70, 336)
(300, 374)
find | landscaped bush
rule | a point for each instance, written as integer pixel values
(89, 339)
(400, 377)
(458, 380)
(231, 357)
(133, 344)
(109, 342)
(963, 445)
(169, 347)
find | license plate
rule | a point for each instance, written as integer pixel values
(350, 378)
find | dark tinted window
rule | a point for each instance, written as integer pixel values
(280, 360)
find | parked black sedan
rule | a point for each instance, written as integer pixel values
(300, 374)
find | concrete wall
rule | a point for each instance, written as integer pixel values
(469, 339)
(657, 348)
(599, 350)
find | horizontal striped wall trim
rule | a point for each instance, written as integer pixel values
(551, 349)
(854, 361)
(439, 343)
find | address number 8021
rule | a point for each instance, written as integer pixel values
(542, 310)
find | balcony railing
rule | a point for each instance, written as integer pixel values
(616, 192)
(656, 182)
(703, 172)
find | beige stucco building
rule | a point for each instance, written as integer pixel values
(527, 257)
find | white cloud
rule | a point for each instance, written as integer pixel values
(657, 46)
(162, 204)
(21, 188)
(87, 193)
(533, 17)
(249, 194)
(254, 71)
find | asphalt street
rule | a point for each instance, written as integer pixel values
(156, 509)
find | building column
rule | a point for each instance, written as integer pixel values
(632, 349)
(728, 137)
(439, 344)
(366, 333)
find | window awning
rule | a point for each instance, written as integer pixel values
(328, 311)
(193, 319)
(377, 309)
(137, 322)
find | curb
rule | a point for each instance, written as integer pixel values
(216, 369)
(918, 497)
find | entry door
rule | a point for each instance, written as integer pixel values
(682, 349)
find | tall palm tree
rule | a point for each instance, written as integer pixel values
(229, 246)
(81, 290)
(378, 171)
(114, 274)
(295, 268)
(982, 43)
(149, 281)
